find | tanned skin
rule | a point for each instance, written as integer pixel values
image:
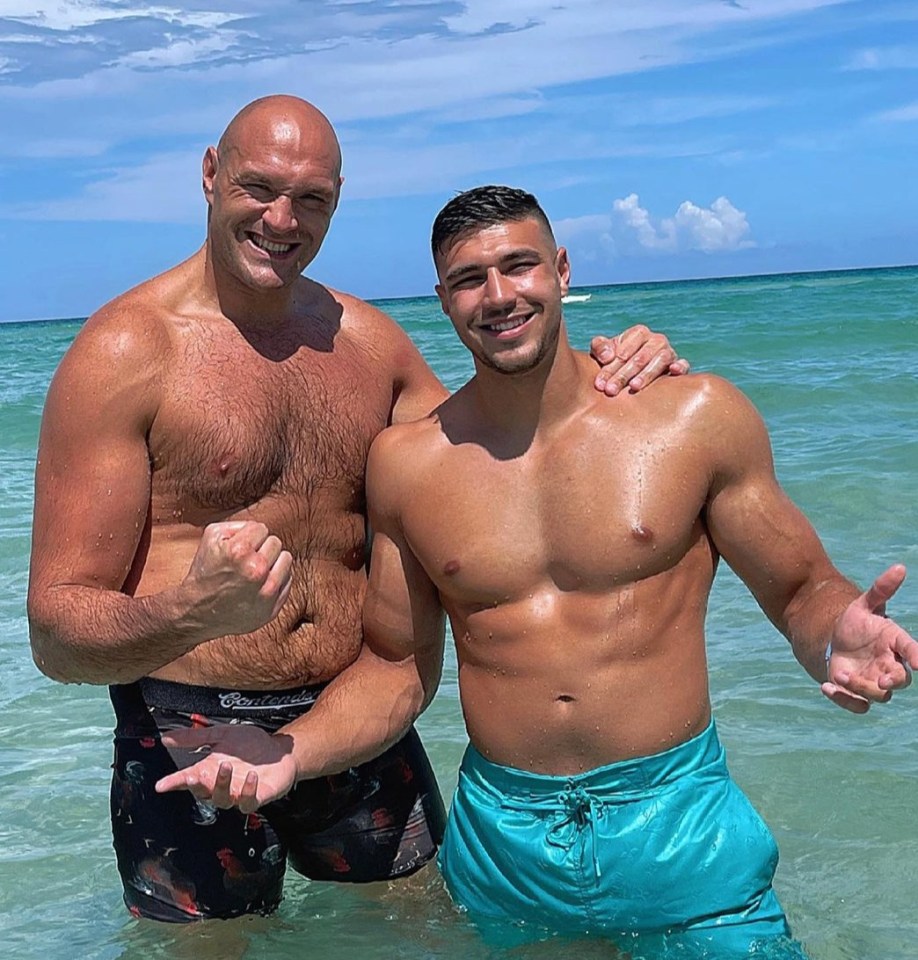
(200, 511)
(573, 544)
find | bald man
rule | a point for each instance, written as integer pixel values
(199, 533)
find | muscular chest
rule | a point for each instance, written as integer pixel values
(581, 519)
(237, 433)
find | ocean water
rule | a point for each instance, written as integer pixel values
(830, 359)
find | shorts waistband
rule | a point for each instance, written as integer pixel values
(224, 702)
(624, 776)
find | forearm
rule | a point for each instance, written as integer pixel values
(364, 711)
(80, 634)
(809, 619)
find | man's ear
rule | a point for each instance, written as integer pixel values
(338, 193)
(440, 290)
(563, 266)
(208, 172)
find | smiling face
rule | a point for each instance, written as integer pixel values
(272, 186)
(501, 285)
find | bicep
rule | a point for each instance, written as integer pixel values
(755, 526)
(402, 613)
(92, 481)
(403, 616)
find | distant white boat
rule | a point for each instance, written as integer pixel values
(576, 297)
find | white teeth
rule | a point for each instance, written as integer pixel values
(269, 246)
(506, 325)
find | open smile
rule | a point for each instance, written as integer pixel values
(272, 247)
(506, 327)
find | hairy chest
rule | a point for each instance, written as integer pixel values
(240, 430)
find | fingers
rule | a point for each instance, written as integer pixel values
(678, 367)
(173, 781)
(883, 588)
(842, 698)
(629, 341)
(906, 649)
(282, 597)
(228, 787)
(278, 578)
(633, 359)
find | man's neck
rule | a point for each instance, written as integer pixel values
(537, 399)
(245, 307)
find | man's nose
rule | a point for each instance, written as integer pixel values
(279, 215)
(499, 289)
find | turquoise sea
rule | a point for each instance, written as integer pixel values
(831, 360)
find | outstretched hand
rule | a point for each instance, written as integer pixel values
(244, 767)
(871, 655)
(634, 359)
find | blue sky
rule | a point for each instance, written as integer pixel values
(665, 138)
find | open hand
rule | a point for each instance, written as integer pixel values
(871, 655)
(634, 359)
(244, 767)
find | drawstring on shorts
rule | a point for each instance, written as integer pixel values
(578, 809)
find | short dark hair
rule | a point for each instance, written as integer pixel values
(483, 207)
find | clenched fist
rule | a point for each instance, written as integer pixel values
(240, 577)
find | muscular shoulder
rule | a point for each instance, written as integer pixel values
(415, 388)
(722, 420)
(398, 458)
(364, 322)
(702, 401)
(120, 354)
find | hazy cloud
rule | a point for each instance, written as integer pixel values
(885, 58)
(900, 114)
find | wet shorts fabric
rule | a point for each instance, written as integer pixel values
(665, 845)
(181, 859)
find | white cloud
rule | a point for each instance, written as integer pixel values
(72, 14)
(720, 227)
(630, 229)
(393, 59)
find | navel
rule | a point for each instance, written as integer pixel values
(355, 558)
(565, 698)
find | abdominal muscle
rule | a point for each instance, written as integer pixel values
(584, 686)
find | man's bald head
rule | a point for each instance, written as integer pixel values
(281, 119)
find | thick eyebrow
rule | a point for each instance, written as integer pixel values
(520, 253)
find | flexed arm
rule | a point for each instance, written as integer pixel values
(366, 708)
(92, 503)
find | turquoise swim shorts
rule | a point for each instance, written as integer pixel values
(665, 845)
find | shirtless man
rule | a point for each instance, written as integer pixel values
(199, 534)
(594, 796)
